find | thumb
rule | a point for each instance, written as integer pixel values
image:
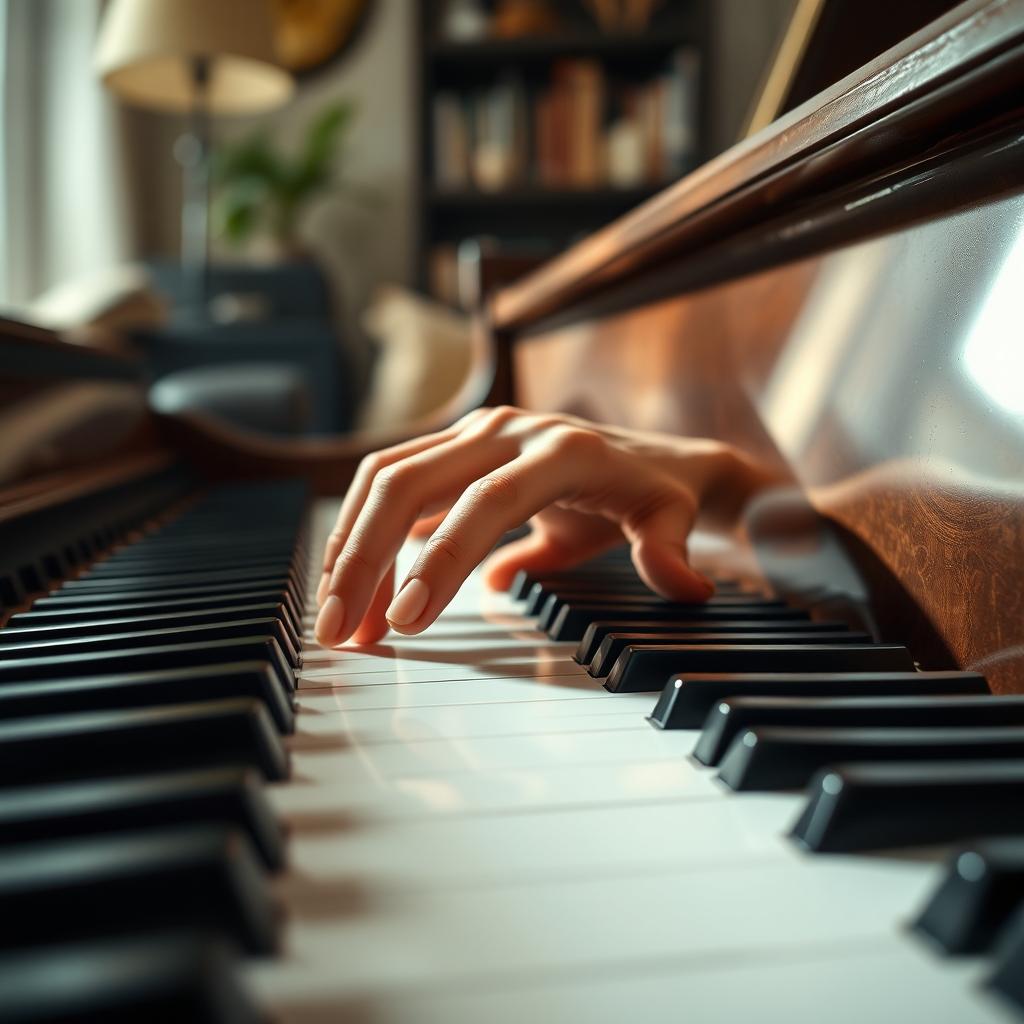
(658, 548)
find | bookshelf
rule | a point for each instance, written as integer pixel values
(533, 141)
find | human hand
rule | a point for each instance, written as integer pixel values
(584, 488)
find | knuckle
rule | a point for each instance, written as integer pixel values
(576, 442)
(391, 481)
(444, 547)
(369, 466)
(500, 415)
(497, 489)
(352, 561)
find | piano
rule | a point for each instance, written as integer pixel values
(801, 801)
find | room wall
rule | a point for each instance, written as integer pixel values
(369, 242)
(364, 246)
(360, 245)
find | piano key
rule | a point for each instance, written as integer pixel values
(197, 877)
(122, 641)
(167, 546)
(197, 577)
(63, 598)
(686, 701)
(97, 743)
(523, 582)
(615, 643)
(159, 979)
(145, 659)
(177, 569)
(1007, 980)
(597, 631)
(982, 888)
(150, 689)
(730, 717)
(615, 591)
(84, 626)
(855, 807)
(552, 607)
(640, 669)
(232, 797)
(571, 621)
(166, 557)
(55, 616)
(775, 757)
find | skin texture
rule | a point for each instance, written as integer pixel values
(583, 487)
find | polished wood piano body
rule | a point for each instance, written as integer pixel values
(834, 294)
(838, 295)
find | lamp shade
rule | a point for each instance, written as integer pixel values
(147, 48)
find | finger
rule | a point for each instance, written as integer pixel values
(657, 537)
(503, 499)
(537, 553)
(355, 496)
(375, 625)
(398, 495)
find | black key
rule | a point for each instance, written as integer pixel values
(199, 877)
(982, 888)
(85, 626)
(618, 592)
(162, 979)
(730, 717)
(1007, 980)
(147, 659)
(239, 629)
(232, 797)
(572, 621)
(640, 605)
(597, 631)
(82, 599)
(873, 806)
(37, 616)
(161, 549)
(686, 701)
(641, 669)
(93, 744)
(615, 643)
(198, 578)
(775, 757)
(172, 563)
(150, 689)
(632, 589)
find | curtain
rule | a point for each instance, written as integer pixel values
(62, 196)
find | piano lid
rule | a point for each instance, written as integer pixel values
(934, 92)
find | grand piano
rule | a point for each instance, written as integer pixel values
(802, 801)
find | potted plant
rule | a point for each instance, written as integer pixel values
(262, 190)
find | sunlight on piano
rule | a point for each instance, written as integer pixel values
(994, 350)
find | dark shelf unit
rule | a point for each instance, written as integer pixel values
(532, 217)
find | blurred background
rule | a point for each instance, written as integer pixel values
(274, 203)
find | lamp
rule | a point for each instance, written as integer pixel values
(200, 58)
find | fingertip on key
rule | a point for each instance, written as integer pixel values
(409, 604)
(329, 621)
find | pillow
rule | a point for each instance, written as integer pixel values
(424, 357)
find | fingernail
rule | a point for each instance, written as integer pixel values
(328, 622)
(321, 591)
(409, 604)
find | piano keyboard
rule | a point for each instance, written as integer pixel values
(205, 817)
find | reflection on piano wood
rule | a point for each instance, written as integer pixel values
(481, 823)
